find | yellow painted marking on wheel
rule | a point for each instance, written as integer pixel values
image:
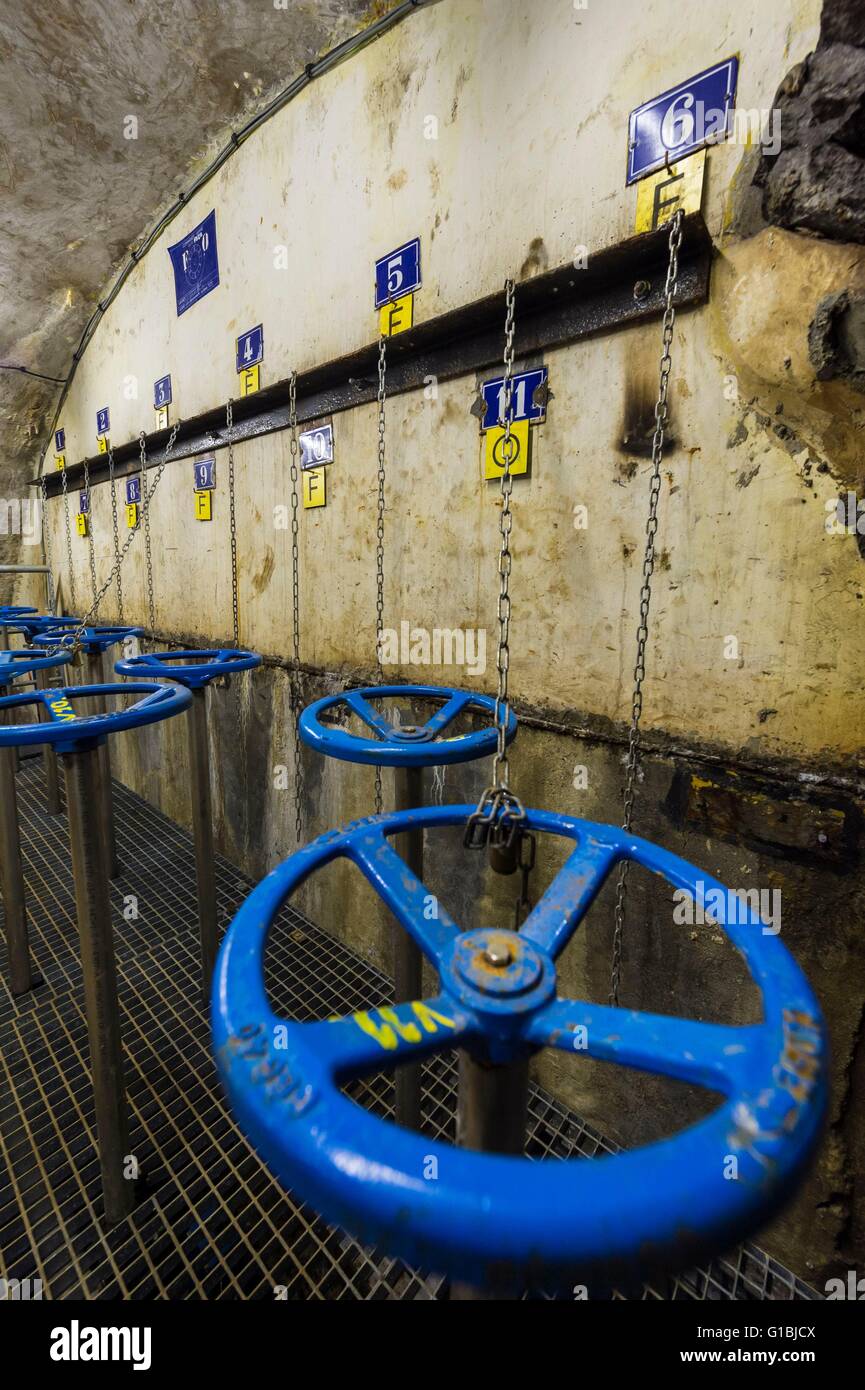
(429, 1018)
(62, 709)
(385, 1033)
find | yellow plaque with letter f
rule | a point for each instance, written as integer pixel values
(314, 487)
(680, 186)
(397, 316)
(203, 506)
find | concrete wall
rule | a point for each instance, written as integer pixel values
(753, 761)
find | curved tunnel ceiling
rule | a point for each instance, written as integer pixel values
(76, 192)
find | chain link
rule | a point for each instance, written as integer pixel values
(675, 242)
(232, 517)
(73, 602)
(145, 517)
(91, 553)
(46, 539)
(499, 810)
(116, 530)
(86, 621)
(501, 769)
(296, 693)
(379, 538)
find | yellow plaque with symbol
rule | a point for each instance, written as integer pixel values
(664, 193)
(60, 460)
(396, 316)
(81, 523)
(203, 506)
(494, 456)
(314, 487)
(102, 443)
(162, 417)
(250, 380)
(132, 515)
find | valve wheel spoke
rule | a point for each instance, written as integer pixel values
(448, 713)
(415, 908)
(371, 717)
(553, 920)
(714, 1055)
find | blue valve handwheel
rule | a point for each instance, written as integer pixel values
(487, 1216)
(90, 639)
(18, 622)
(26, 660)
(68, 732)
(15, 610)
(193, 669)
(422, 745)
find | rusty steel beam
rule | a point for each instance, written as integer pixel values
(619, 287)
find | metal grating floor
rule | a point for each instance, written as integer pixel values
(211, 1222)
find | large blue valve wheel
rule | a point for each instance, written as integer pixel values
(422, 745)
(26, 660)
(486, 1217)
(91, 639)
(194, 669)
(69, 732)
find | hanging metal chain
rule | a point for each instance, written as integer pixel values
(46, 539)
(500, 812)
(675, 242)
(379, 537)
(116, 531)
(145, 518)
(72, 598)
(75, 642)
(296, 695)
(232, 517)
(92, 555)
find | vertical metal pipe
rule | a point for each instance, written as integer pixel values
(407, 955)
(202, 829)
(8, 718)
(49, 757)
(100, 979)
(93, 675)
(21, 977)
(492, 1114)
